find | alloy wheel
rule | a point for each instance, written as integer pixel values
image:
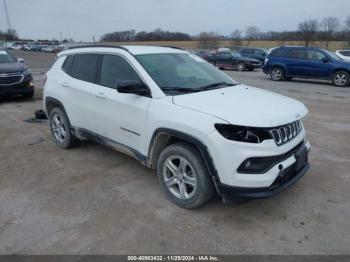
(58, 128)
(240, 67)
(340, 79)
(276, 74)
(179, 177)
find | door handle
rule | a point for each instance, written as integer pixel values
(100, 95)
(65, 84)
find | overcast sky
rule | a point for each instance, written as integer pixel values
(80, 19)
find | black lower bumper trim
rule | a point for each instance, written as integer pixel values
(232, 193)
(15, 90)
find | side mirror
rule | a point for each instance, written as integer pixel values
(325, 60)
(21, 60)
(133, 87)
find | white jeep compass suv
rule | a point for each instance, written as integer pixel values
(202, 131)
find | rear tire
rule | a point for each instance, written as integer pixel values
(341, 79)
(277, 74)
(184, 176)
(60, 129)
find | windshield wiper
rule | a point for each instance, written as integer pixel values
(179, 89)
(214, 85)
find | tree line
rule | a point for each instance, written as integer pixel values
(156, 35)
(327, 29)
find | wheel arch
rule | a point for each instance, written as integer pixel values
(51, 103)
(163, 137)
(279, 65)
(337, 69)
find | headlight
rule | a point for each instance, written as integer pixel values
(26, 72)
(243, 133)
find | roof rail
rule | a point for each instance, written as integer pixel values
(89, 46)
(174, 47)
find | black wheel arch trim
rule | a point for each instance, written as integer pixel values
(203, 149)
(54, 100)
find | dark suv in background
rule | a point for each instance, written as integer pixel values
(234, 60)
(255, 53)
(307, 62)
(15, 78)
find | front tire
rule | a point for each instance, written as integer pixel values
(240, 67)
(341, 79)
(60, 129)
(184, 177)
(277, 74)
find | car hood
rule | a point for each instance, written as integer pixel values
(344, 63)
(12, 67)
(244, 105)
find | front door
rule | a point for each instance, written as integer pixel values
(119, 117)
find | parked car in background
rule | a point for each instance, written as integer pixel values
(343, 54)
(256, 53)
(205, 54)
(239, 141)
(307, 62)
(234, 60)
(15, 78)
(48, 49)
(224, 49)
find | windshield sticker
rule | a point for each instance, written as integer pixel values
(197, 58)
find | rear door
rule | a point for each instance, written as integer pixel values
(117, 116)
(78, 88)
(296, 62)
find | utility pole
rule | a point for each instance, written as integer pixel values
(7, 17)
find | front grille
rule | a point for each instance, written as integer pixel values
(10, 78)
(285, 133)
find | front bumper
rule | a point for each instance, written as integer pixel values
(228, 155)
(17, 89)
(286, 179)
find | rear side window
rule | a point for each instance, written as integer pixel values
(115, 69)
(84, 67)
(67, 65)
(298, 54)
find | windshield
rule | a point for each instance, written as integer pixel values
(6, 57)
(183, 72)
(332, 55)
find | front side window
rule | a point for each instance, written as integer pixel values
(182, 71)
(259, 52)
(115, 69)
(237, 55)
(84, 67)
(316, 55)
(248, 51)
(6, 57)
